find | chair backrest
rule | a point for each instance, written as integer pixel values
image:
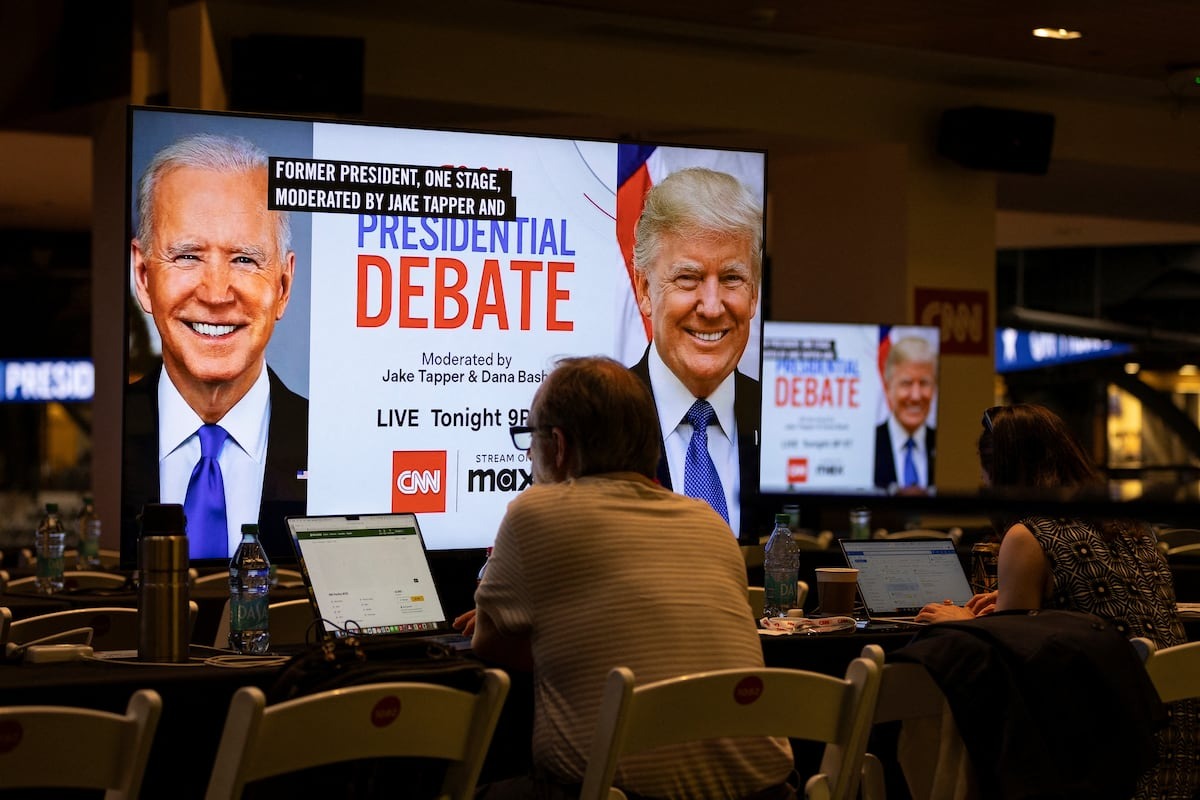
(36, 746)
(283, 575)
(109, 559)
(908, 693)
(1174, 671)
(954, 534)
(1192, 549)
(288, 620)
(368, 721)
(1175, 537)
(78, 579)
(809, 541)
(757, 596)
(794, 703)
(114, 628)
(5, 623)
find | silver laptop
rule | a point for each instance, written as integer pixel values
(897, 578)
(369, 574)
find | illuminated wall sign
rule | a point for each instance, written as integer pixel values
(45, 380)
(1019, 349)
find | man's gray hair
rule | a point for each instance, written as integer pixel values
(210, 152)
(699, 203)
(906, 350)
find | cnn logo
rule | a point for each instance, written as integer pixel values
(418, 481)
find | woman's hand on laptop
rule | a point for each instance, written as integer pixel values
(944, 611)
(982, 604)
(465, 623)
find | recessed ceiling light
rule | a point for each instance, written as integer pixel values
(1189, 369)
(1132, 368)
(1056, 33)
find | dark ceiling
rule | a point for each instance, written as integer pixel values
(59, 56)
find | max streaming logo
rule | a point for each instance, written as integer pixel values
(418, 481)
(797, 470)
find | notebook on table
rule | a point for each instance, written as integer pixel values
(897, 578)
(369, 574)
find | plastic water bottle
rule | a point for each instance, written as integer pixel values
(87, 529)
(50, 540)
(249, 595)
(781, 569)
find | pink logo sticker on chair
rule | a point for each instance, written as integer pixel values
(386, 711)
(748, 690)
(10, 735)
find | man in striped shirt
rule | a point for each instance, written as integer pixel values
(596, 565)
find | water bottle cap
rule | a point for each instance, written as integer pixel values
(782, 519)
(250, 529)
(51, 508)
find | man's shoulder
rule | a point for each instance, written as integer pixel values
(282, 395)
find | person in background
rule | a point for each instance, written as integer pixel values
(595, 566)
(698, 266)
(1112, 569)
(905, 447)
(214, 428)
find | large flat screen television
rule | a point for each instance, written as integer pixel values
(431, 280)
(841, 404)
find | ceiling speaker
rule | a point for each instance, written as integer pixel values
(998, 139)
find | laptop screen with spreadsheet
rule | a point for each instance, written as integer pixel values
(368, 573)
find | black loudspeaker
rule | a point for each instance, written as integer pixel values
(998, 139)
(297, 74)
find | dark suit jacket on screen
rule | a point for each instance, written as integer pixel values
(885, 462)
(287, 453)
(747, 412)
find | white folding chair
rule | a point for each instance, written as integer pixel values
(1174, 671)
(289, 622)
(109, 559)
(114, 628)
(908, 694)
(954, 534)
(283, 576)
(76, 579)
(794, 703)
(62, 747)
(369, 721)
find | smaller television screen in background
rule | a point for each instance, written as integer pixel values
(831, 421)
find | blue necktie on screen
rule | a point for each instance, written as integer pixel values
(700, 478)
(204, 505)
(910, 467)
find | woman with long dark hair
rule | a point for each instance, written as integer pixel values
(1109, 568)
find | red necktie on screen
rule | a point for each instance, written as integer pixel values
(700, 478)
(910, 467)
(204, 505)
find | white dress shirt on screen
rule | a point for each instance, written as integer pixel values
(920, 453)
(243, 459)
(673, 400)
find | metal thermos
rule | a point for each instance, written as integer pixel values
(163, 601)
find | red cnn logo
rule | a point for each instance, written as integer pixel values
(418, 481)
(797, 470)
(748, 690)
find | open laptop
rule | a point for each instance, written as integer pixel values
(369, 574)
(897, 578)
